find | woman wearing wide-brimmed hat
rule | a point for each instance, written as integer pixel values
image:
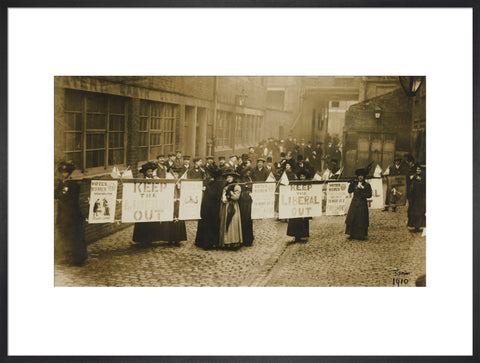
(70, 246)
(357, 218)
(230, 218)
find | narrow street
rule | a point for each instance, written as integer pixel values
(327, 259)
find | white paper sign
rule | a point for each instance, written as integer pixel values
(300, 200)
(376, 201)
(337, 194)
(263, 200)
(103, 199)
(190, 199)
(147, 201)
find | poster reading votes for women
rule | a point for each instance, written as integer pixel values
(300, 200)
(190, 199)
(376, 201)
(337, 194)
(147, 201)
(263, 200)
(103, 198)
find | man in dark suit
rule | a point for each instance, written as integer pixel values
(185, 167)
(170, 164)
(178, 162)
(161, 170)
(270, 166)
(196, 172)
(260, 173)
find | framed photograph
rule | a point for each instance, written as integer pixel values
(239, 183)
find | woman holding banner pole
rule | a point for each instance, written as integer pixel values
(357, 218)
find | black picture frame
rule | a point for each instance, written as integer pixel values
(5, 5)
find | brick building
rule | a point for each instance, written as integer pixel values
(101, 122)
(380, 128)
(105, 121)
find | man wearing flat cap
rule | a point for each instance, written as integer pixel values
(178, 162)
(260, 173)
(196, 172)
(161, 171)
(186, 165)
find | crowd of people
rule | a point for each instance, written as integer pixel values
(226, 203)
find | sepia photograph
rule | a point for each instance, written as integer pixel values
(223, 181)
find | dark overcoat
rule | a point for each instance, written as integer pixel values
(208, 227)
(245, 204)
(70, 246)
(260, 175)
(417, 203)
(357, 218)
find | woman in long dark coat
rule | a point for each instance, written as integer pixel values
(147, 232)
(357, 218)
(70, 246)
(299, 227)
(245, 204)
(208, 227)
(417, 206)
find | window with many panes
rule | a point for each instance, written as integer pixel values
(156, 129)
(94, 129)
(222, 128)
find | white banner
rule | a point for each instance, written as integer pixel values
(263, 197)
(147, 201)
(337, 194)
(190, 199)
(103, 199)
(376, 201)
(300, 200)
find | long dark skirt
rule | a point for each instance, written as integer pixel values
(208, 227)
(357, 219)
(148, 232)
(70, 246)
(298, 228)
(245, 204)
(174, 231)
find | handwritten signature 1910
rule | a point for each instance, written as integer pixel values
(401, 278)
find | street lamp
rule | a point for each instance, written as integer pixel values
(377, 113)
(411, 84)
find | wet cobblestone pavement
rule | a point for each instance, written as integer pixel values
(327, 259)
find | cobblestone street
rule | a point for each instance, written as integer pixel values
(327, 259)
